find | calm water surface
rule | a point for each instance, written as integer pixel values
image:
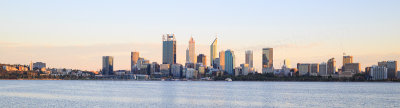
(43, 94)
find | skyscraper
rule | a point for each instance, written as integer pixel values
(323, 69)
(187, 56)
(191, 51)
(267, 60)
(352, 67)
(169, 49)
(222, 60)
(108, 65)
(134, 60)
(249, 58)
(229, 62)
(331, 66)
(202, 59)
(213, 51)
(391, 68)
(378, 73)
(347, 59)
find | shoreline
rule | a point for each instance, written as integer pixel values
(190, 80)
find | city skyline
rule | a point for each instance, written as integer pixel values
(39, 32)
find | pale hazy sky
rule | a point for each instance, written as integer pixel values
(77, 33)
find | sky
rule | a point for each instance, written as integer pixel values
(77, 33)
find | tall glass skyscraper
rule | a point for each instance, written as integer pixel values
(267, 59)
(169, 49)
(108, 65)
(134, 61)
(331, 66)
(229, 62)
(249, 58)
(213, 51)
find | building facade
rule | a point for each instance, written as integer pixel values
(108, 65)
(222, 60)
(191, 52)
(347, 59)
(249, 58)
(267, 60)
(213, 51)
(169, 49)
(323, 69)
(352, 67)
(391, 68)
(331, 66)
(201, 58)
(39, 65)
(229, 62)
(134, 61)
(378, 73)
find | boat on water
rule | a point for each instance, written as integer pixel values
(228, 79)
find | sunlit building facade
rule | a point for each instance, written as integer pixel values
(267, 60)
(213, 51)
(134, 61)
(347, 59)
(331, 66)
(222, 60)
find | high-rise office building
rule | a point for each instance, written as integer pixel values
(314, 69)
(323, 69)
(134, 61)
(202, 59)
(108, 65)
(347, 59)
(352, 67)
(378, 73)
(191, 51)
(304, 68)
(229, 62)
(169, 49)
(249, 58)
(213, 51)
(222, 60)
(331, 66)
(391, 68)
(267, 60)
(311, 69)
